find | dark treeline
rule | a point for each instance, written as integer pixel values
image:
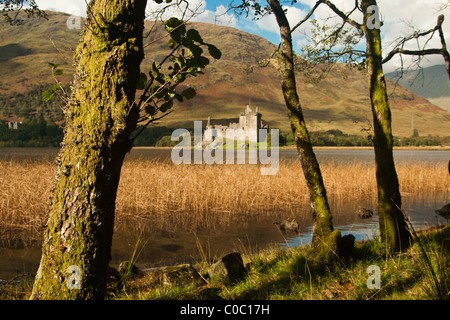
(32, 133)
(160, 137)
(339, 139)
(30, 105)
(40, 133)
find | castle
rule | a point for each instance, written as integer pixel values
(249, 122)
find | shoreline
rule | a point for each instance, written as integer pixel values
(293, 147)
(290, 147)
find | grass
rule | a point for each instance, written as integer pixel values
(294, 273)
(196, 195)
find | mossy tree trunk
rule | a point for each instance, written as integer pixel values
(99, 119)
(323, 226)
(393, 227)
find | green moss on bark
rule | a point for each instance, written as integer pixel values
(393, 228)
(99, 119)
(318, 199)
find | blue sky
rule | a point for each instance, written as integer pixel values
(398, 17)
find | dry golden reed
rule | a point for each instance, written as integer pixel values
(201, 193)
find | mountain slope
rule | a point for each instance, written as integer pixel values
(431, 83)
(341, 101)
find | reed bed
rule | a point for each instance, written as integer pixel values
(201, 194)
(24, 199)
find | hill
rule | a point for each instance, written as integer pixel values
(431, 83)
(341, 101)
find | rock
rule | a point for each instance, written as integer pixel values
(114, 282)
(228, 268)
(183, 274)
(210, 294)
(125, 267)
(444, 212)
(345, 247)
(364, 213)
(288, 225)
(113, 274)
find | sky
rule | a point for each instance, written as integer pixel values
(398, 17)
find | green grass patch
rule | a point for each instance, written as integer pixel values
(421, 273)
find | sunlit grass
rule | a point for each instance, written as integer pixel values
(280, 274)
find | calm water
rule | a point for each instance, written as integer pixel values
(323, 155)
(177, 243)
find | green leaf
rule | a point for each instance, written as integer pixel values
(179, 97)
(173, 23)
(172, 43)
(53, 65)
(189, 93)
(194, 35)
(55, 87)
(58, 72)
(161, 93)
(194, 50)
(176, 28)
(201, 62)
(47, 95)
(193, 71)
(156, 66)
(150, 110)
(155, 73)
(214, 52)
(142, 81)
(166, 106)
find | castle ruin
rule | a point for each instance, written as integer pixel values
(249, 123)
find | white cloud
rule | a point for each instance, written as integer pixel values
(73, 7)
(184, 10)
(220, 16)
(194, 10)
(269, 23)
(396, 15)
(422, 14)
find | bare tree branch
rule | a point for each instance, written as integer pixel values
(318, 3)
(422, 51)
(345, 17)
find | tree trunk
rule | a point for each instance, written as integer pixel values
(323, 227)
(393, 227)
(99, 119)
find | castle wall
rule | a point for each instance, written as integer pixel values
(248, 126)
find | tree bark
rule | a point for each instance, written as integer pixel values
(323, 226)
(100, 117)
(393, 227)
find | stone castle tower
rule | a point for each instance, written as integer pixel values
(249, 121)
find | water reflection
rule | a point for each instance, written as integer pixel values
(419, 213)
(179, 245)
